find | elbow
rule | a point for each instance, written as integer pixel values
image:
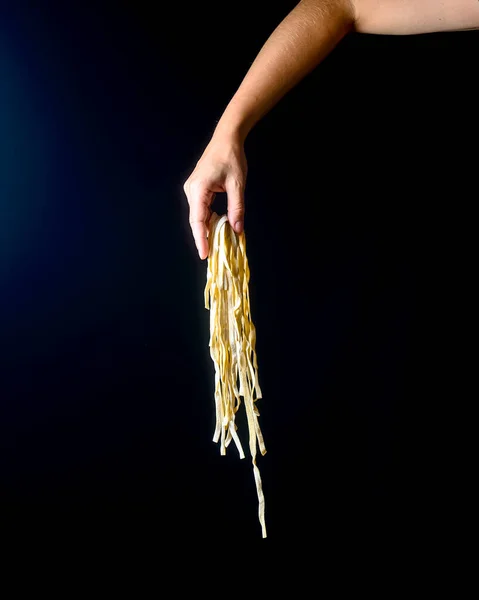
(344, 10)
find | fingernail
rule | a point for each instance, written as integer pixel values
(238, 226)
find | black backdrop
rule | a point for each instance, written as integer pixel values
(356, 182)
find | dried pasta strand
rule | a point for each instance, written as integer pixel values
(233, 344)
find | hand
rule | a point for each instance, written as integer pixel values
(221, 168)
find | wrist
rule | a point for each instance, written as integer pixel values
(233, 127)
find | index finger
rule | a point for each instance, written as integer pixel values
(199, 217)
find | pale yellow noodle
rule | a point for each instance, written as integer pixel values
(233, 343)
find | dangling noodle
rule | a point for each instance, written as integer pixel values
(233, 342)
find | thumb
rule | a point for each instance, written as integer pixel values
(235, 194)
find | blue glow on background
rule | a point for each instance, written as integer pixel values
(82, 232)
(26, 151)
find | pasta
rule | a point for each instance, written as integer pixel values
(233, 343)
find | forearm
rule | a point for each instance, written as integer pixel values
(299, 43)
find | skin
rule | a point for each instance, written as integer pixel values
(299, 43)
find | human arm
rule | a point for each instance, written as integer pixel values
(299, 43)
(410, 17)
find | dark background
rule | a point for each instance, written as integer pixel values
(358, 187)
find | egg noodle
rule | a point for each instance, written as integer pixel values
(233, 343)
